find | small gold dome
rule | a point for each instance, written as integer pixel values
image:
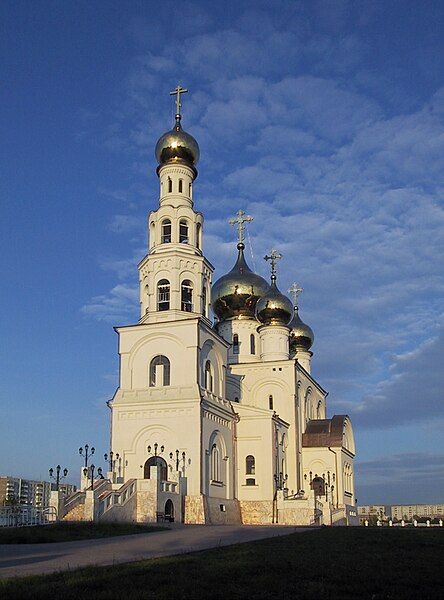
(301, 335)
(274, 308)
(177, 146)
(235, 294)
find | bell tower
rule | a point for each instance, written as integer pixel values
(175, 277)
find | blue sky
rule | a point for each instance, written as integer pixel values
(324, 120)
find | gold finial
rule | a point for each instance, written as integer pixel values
(177, 92)
(273, 258)
(238, 222)
(295, 291)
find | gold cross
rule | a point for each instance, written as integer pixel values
(238, 222)
(177, 92)
(295, 291)
(273, 258)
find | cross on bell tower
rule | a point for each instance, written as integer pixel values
(239, 222)
(295, 291)
(177, 92)
(273, 257)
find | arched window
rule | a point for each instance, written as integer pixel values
(198, 230)
(190, 189)
(235, 344)
(170, 185)
(252, 344)
(215, 464)
(319, 410)
(166, 232)
(155, 461)
(250, 465)
(270, 402)
(163, 295)
(183, 232)
(250, 469)
(187, 295)
(208, 376)
(204, 300)
(180, 186)
(159, 371)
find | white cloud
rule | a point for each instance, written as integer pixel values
(119, 306)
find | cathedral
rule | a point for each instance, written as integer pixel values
(217, 418)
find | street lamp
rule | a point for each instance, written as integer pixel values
(86, 452)
(57, 477)
(111, 459)
(91, 470)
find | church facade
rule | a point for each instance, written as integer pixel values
(218, 420)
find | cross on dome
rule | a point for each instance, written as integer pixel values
(273, 258)
(295, 291)
(177, 92)
(239, 223)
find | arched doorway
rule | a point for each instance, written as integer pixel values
(155, 461)
(318, 486)
(169, 511)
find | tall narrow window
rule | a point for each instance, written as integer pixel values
(204, 300)
(235, 344)
(190, 189)
(163, 295)
(180, 186)
(208, 376)
(215, 464)
(187, 295)
(270, 402)
(183, 232)
(166, 232)
(159, 371)
(252, 344)
(198, 229)
(170, 185)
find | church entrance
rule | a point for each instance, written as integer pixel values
(160, 463)
(169, 511)
(318, 486)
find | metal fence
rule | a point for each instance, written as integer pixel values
(25, 516)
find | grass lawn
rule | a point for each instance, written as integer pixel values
(340, 563)
(69, 532)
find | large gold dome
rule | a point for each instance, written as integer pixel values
(234, 295)
(177, 146)
(301, 335)
(274, 308)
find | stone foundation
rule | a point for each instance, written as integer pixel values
(256, 512)
(194, 510)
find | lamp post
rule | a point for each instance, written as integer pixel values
(111, 459)
(90, 471)
(86, 452)
(57, 477)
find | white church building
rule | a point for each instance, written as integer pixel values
(216, 420)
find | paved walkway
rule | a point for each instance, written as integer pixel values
(35, 559)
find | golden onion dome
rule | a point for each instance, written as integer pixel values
(234, 295)
(274, 308)
(177, 146)
(301, 335)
